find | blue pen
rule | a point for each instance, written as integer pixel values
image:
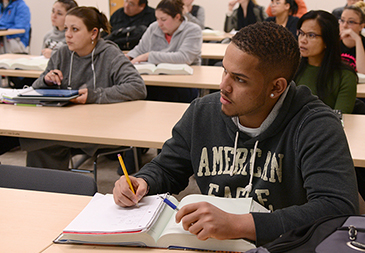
(169, 203)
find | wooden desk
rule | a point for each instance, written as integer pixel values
(214, 37)
(361, 90)
(204, 77)
(354, 130)
(213, 50)
(11, 32)
(136, 123)
(31, 220)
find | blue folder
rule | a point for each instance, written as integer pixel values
(49, 93)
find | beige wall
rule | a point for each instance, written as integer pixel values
(41, 18)
(214, 12)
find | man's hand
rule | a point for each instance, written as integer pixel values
(208, 221)
(122, 193)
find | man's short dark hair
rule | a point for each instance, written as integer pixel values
(274, 46)
(140, 2)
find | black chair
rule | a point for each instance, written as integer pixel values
(95, 157)
(359, 107)
(49, 180)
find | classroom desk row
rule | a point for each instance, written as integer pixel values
(136, 123)
(204, 77)
(31, 220)
(214, 51)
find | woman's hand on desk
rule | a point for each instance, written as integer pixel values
(140, 58)
(53, 77)
(123, 195)
(82, 98)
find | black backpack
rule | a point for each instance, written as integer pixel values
(345, 233)
(127, 37)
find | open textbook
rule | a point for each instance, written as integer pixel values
(152, 224)
(163, 69)
(32, 63)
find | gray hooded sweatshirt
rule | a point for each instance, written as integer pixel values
(54, 39)
(107, 74)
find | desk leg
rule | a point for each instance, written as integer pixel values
(4, 46)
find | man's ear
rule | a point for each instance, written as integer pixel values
(278, 87)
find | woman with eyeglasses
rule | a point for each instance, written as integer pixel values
(352, 21)
(321, 67)
(283, 11)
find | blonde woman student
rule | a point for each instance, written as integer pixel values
(352, 43)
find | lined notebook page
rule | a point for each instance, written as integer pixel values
(102, 215)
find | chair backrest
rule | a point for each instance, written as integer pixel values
(359, 107)
(46, 180)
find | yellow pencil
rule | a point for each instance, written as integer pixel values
(125, 172)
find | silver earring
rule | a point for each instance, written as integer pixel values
(92, 41)
(272, 95)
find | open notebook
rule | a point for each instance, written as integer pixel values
(152, 224)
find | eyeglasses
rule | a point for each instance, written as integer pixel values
(309, 35)
(348, 22)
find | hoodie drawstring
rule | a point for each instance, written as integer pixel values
(234, 153)
(92, 68)
(248, 187)
(70, 72)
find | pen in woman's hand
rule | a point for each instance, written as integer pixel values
(55, 73)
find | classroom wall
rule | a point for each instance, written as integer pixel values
(214, 13)
(41, 18)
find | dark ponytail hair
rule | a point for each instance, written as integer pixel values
(68, 4)
(92, 18)
(171, 8)
(293, 7)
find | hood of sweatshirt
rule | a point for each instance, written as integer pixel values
(288, 110)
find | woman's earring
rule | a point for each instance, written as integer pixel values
(272, 95)
(92, 41)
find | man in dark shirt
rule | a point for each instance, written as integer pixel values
(134, 13)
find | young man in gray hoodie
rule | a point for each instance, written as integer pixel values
(261, 136)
